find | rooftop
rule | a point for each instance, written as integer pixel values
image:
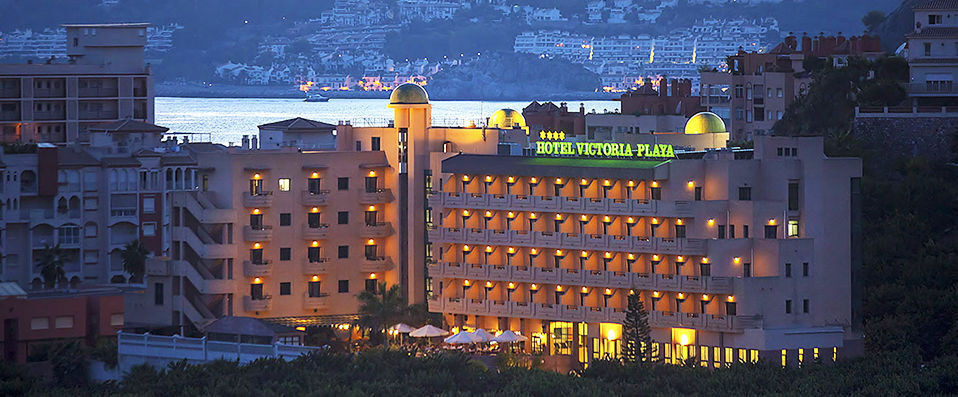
(298, 123)
(938, 5)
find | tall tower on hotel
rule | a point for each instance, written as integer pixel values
(413, 118)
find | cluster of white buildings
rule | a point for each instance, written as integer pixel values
(52, 42)
(624, 61)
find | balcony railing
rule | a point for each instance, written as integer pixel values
(588, 278)
(561, 312)
(572, 241)
(260, 304)
(375, 264)
(316, 233)
(258, 233)
(376, 230)
(319, 266)
(262, 269)
(380, 196)
(261, 199)
(315, 302)
(315, 199)
(586, 205)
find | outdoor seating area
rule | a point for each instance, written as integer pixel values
(430, 339)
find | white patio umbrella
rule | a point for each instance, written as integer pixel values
(483, 335)
(428, 332)
(402, 328)
(509, 337)
(462, 338)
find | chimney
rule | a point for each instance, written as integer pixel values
(581, 107)
(254, 143)
(663, 86)
(564, 106)
(673, 85)
(245, 144)
(806, 44)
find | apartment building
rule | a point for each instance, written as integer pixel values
(104, 80)
(737, 255)
(933, 53)
(757, 88)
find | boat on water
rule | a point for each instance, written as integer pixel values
(315, 98)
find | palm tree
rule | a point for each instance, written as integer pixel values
(134, 256)
(50, 261)
(378, 310)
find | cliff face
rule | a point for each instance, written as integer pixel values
(897, 24)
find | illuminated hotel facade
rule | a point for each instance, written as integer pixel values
(737, 254)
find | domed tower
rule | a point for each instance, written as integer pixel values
(412, 115)
(705, 123)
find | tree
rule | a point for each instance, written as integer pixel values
(872, 19)
(50, 261)
(636, 332)
(134, 256)
(380, 309)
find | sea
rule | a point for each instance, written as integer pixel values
(226, 120)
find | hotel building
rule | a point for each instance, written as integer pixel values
(737, 255)
(105, 80)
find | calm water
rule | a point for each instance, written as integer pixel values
(225, 120)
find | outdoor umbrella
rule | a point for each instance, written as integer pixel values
(428, 332)
(462, 338)
(402, 328)
(509, 337)
(483, 335)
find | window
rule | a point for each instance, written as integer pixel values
(158, 294)
(793, 195)
(788, 306)
(779, 93)
(656, 193)
(788, 270)
(927, 49)
(721, 231)
(116, 319)
(934, 19)
(342, 217)
(759, 114)
(805, 269)
(375, 144)
(256, 256)
(342, 183)
(313, 289)
(343, 251)
(730, 308)
(744, 231)
(739, 113)
(313, 184)
(731, 231)
(149, 205)
(771, 231)
(89, 230)
(792, 228)
(285, 253)
(679, 231)
(371, 285)
(149, 229)
(284, 184)
(313, 220)
(313, 254)
(285, 219)
(343, 286)
(705, 269)
(256, 291)
(747, 270)
(739, 91)
(359, 146)
(40, 323)
(698, 193)
(804, 305)
(284, 288)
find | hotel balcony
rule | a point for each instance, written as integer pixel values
(588, 278)
(123, 215)
(560, 312)
(316, 233)
(251, 269)
(380, 196)
(315, 302)
(578, 205)
(263, 199)
(260, 233)
(571, 241)
(315, 199)
(378, 229)
(375, 264)
(257, 305)
(320, 266)
(933, 89)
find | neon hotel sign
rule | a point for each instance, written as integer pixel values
(617, 150)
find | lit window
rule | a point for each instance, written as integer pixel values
(284, 184)
(793, 228)
(40, 323)
(149, 229)
(116, 320)
(64, 322)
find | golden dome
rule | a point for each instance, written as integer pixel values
(705, 123)
(409, 94)
(507, 118)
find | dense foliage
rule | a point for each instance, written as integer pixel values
(397, 373)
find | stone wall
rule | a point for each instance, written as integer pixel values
(929, 137)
